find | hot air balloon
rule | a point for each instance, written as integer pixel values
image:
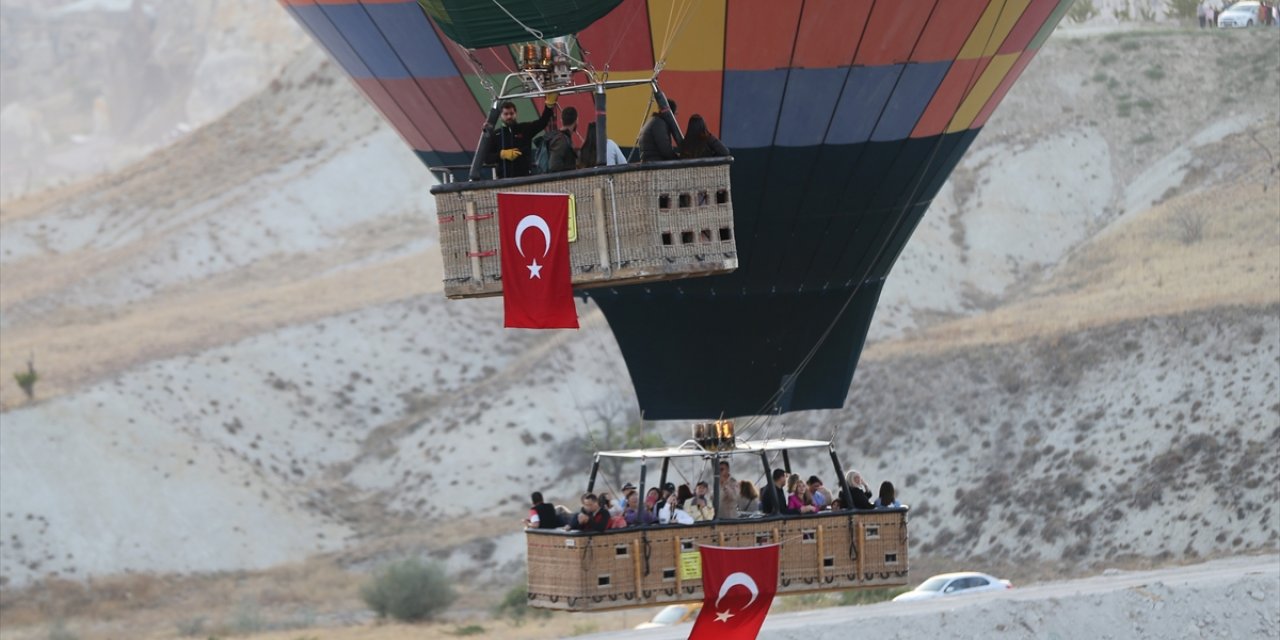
(845, 117)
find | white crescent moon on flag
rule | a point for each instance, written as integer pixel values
(538, 223)
(738, 579)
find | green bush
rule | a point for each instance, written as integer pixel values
(409, 591)
(515, 606)
(469, 630)
(1082, 11)
(1181, 9)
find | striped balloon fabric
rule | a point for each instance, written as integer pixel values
(845, 117)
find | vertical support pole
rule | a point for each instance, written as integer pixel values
(679, 580)
(640, 505)
(639, 549)
(473, 243)
(768, 484)
(595, 469)
(715, 493)
(665, 108)
(844, 486)
(602, 234)
(662, 480)
(861, 548)
(786, 461)
(822, 556)
(486, 133)
(602, 133)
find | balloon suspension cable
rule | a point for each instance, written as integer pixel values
(681, 19)
(804, 362)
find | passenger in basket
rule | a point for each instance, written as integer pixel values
(699, 143)
(683, 494)
(861, 498)
(772, 499)
(591, 518)
(748, 498)
(587, 156)
(671, 513)
(698, 506)
(541, 514)
(799, 499)
(634, 514)
(821, 496)
(656, 138)
(607, 503)
(510, 145)
(888, 498)
(652, 500)
(627, 489)
(728, 506)
(560, 145)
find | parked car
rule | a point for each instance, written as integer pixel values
(954, 584)
(672, 614)
(1240, 14)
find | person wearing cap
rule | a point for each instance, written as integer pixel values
(656, 139)
(560, 145)
(627, 489)
(697, 505)
(510, 146)
(821, 496)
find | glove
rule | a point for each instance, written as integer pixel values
(551, 98)
(509, 154)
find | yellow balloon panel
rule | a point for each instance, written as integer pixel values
(992, 28)
(689, 32)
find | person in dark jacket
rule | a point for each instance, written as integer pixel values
(541, 515)
(861, 492)
(560, 145)
(656, 138)
(698, 141)
(509, 147)
(592, 518)
(773, 499)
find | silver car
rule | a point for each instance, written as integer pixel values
(1240, 14)
(954, 584)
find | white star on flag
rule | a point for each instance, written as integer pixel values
(535, 270)
(723, 616)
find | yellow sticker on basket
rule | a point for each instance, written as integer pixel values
(573, 219)
(690, 565)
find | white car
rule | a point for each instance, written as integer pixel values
(954, 584)
(1240, 14)
(672, 615)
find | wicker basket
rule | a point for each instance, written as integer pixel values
(637, 567)
(653, 221)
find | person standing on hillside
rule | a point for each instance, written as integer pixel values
(510, 146)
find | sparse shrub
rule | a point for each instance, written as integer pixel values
(1082, 11)
(1145, 138)
(1154, 73)
(1188, 225)
(515, 606)
(584, 628)
(409, 591)
(192, 627)
(27, 379)
(58, 631)
(469, 630)
(869, 596)
(1181, 9)
(247, 618)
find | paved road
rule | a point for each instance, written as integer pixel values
(1255, 572)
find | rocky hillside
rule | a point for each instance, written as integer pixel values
(243, 345)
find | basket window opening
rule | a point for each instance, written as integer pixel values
(891, 558)
(669, 575)
(664, 201)
(809, 536)
(686, 200)
(686, 237)
(722, 196)
(829, 561)
(705, 235)
(704, 198)
(763, 538)
(873, 532)
(621, 551)
(726, 234)
(666, 238)
(602, 580)
(686, 544)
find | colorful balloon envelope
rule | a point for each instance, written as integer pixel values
(844, 117)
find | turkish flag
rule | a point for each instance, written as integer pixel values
(536, 290)
(738, 584)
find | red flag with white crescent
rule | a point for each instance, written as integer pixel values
(537, 291)
(738, 584)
